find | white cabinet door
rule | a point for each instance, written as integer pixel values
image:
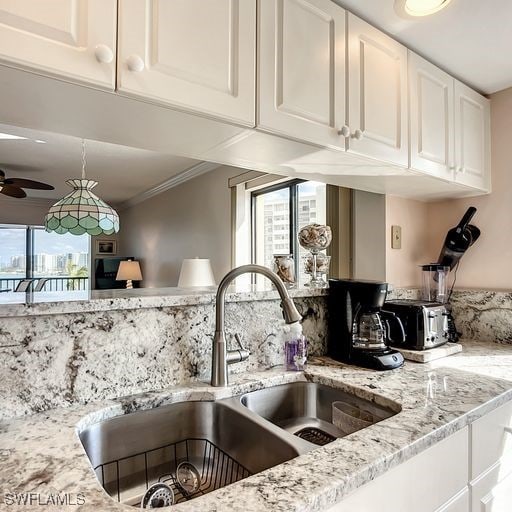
(192, 54)
(377, 95)
(74, 39)
(434, 480)
(492, 491)
(431, 109)
(302, 70)
(472, 138)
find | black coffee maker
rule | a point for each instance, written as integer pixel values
(359, 330)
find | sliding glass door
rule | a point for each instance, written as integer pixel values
(13, 256)
(50, 261)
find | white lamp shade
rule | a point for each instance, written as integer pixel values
(129, 271)
(196, 272)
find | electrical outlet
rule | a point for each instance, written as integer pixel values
(396, 237)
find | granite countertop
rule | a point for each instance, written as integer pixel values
(52, 303)
(41, 453)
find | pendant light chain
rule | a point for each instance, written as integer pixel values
(83, 159)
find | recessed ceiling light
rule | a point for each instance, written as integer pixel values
(9, 136)
(417, 8)
(39, 141)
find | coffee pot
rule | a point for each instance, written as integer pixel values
(359, 330)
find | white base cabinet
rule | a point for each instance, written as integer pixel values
(436, 479)
(75, 40)
(470, 471)
(492, 491)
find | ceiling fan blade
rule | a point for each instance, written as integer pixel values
(11, 191)
(23, 183)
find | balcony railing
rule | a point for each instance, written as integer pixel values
(51, 284)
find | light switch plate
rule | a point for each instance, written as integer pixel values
(396, 237)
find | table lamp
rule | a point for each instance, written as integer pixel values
(196, 273)
(129, 271)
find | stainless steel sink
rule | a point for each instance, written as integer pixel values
(315, 412)
(225, 441)
(129, 453)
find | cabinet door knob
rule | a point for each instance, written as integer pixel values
(135, 63)
(103, 54)
(358, 134)
(344, 131)
(508, 430)
(452, 167)
(462, 170)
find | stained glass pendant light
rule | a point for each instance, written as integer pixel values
(81, 211)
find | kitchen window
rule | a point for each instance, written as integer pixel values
(267, 211)
(277, 214)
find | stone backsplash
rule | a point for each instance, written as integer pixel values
(483, 315)
(54, 360)
(479, 315)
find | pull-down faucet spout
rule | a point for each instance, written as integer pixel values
(221, 357)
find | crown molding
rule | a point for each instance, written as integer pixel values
(174, 181)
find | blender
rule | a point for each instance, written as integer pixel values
(434, 283)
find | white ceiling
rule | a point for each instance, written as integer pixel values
(122, 172)
(471, 39)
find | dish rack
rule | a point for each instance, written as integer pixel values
(128, 479)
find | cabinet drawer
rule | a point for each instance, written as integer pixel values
(489, 440)
(492, 491)
(459, 503)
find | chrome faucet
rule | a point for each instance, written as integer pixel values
(221, 357)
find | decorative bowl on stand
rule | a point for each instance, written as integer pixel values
(316, 238)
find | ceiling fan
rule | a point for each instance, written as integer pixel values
(13, 187)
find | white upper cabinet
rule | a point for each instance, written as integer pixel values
(377, 94)
(302, 70)
(73, 39)
(472, 138)
(191, 54)
(431, 108)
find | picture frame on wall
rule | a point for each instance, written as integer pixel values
(106, 247)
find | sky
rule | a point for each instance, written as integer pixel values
(12, 243)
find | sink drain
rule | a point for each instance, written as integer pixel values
(315, 435)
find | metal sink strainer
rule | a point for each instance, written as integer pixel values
(157, 496)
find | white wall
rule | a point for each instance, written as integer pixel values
(368, 236)
(30, 212)
(192, 219)
(402, 265)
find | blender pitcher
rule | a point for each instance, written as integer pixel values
(435, 279)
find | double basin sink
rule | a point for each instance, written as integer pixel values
(197, 447)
